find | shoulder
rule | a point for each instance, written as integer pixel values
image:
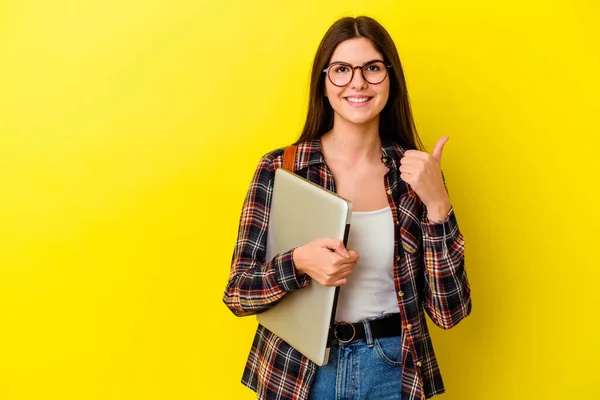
(271, 160)
(304, 152)
(273, 156)
(307, 153)
(267, 164)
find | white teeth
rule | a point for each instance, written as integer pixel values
(357, 99)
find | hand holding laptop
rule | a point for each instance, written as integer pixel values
(326, 261)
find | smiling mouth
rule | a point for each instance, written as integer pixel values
(357, 100)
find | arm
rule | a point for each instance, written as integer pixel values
(447, 290)
(254, 283)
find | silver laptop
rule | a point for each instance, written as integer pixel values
(302, 211)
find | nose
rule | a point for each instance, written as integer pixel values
(358, 80)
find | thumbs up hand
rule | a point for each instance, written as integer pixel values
(422, 171)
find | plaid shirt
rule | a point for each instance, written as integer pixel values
(429, 276)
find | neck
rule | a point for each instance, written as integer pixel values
(353, 143)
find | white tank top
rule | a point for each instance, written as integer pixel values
(370, 290)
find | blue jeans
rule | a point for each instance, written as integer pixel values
(364, 369)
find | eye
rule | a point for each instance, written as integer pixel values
(341, 69)
(373, 68)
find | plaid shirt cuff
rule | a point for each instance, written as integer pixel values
(285, 272)
(438, 233)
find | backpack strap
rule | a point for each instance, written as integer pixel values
(289, 158)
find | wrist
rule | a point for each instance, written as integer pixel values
(438, 211)
(295, 256)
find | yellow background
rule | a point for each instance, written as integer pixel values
(129, 131)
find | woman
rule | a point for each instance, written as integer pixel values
(405, 254)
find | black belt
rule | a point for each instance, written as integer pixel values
(346, 332)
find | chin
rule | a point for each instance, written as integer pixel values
(359, 119)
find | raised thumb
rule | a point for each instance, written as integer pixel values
(439, 147)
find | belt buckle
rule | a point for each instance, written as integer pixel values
(335, 333)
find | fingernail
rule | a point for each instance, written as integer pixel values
(346, 254)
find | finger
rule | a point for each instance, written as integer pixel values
(344, 264)
(408, 160)
(341, 262)
(421, 155)
(409, 169)
(345, 269)
(335, 245)
(341, 282)
(341, 274)
(439, 146)
(408, 178)
(333, 279)
(354, 255)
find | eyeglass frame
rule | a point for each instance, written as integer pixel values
(362, 71)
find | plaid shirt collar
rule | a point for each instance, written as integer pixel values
(311, 153)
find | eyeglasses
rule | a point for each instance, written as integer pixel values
(341, 73)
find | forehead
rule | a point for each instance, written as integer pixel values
(355, 51)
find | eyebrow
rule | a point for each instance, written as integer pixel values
(347, 63)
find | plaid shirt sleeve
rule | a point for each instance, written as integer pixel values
(447, 290)
(254, 283)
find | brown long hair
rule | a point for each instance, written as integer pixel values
(396, 121)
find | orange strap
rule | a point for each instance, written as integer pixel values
(289, 158)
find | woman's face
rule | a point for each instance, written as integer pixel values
(359, 101)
